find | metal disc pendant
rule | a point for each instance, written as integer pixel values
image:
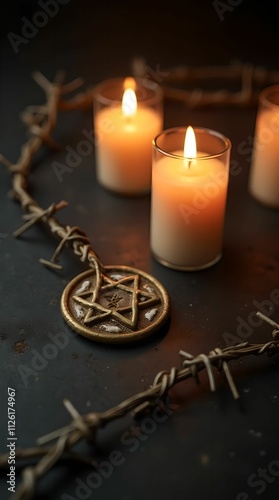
(119, 305)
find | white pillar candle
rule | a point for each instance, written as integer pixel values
(189, 191)
(129, 117)
(264, 173)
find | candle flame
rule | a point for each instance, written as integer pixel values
(129, 103)
(190, 146)
(129, 83)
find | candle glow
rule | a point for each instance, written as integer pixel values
(190, 145)
(126, 123)
(129, 102)
(188, 204)
(129, 83)
(264, 172)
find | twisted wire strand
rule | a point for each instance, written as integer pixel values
(86, 426)
(41, 121)
(250, 79)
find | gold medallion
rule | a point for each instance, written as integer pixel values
(116, 305)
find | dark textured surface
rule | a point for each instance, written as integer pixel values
(211, 447)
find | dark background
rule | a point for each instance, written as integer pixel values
(211, 446)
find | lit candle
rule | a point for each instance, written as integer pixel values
(128, 115)
(189, 191)
(264, 173)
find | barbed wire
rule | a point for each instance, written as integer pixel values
(185, 84)
(86, 426)
(41, 121)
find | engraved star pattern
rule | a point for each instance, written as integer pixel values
(116, 299)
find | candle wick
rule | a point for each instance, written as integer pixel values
(189, 163)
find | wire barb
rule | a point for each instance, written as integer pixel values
(40, 121)
(32, 218)
(86, 426)
(251, 78)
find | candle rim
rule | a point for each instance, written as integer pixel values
(219, 135)
(144, 83)
(265, 100)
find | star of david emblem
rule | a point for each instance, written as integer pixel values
(116, 299)
(115, 304)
